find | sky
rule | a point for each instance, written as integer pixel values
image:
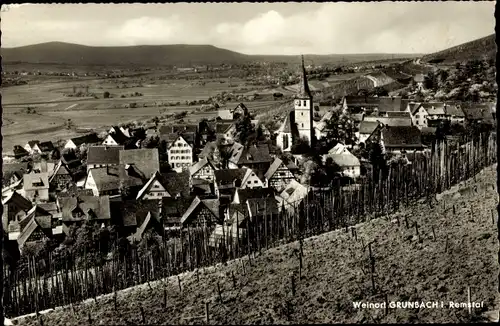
(256, 28)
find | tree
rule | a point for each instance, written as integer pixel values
(106, 94)
(380, 91)
(341, 129)
(244, 129)
(377, 158)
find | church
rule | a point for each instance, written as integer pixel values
(299, 122)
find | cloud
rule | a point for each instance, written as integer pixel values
(360, 28)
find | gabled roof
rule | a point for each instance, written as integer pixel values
(211, 204)
(46, 146)
(208, 150)
(478, 111)
(11, 169)
(134, 213)
(228, 176)
(368, 127)
(434, 108)
(398, 114)
(273, 168)
(286, 126)
(382, 103)
(294, 192)
(119, 137)
(262, 206)
(147, 186)
(112, 177)
(18, 200)
(223, 127)
(200, 165)
(104, 154)
(35, 212)
(338, 149)
(345, 160)
(176, 183)
(86, 139)
(32, 143)
(179, 128)
(146, 160)
(29, 179)
(402, 137)
(173, 209)
(31, 227)
(392, 122)
(454, 110)
(252, 193)
(174, 138)
(241, 155)
(91, 206)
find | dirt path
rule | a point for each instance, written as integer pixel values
(408, 267)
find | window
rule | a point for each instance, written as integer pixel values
(255, 181)
(417, 122)
(417, 116)
(304, 103)
(302, 125)
(248, 182)
(302, 113)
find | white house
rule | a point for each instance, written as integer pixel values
(180, 154)
(154, 189)
(252, 180)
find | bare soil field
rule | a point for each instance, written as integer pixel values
(455, 248)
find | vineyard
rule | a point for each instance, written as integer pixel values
(320, 212)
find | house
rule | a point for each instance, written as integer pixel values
(242, 195)
(389, 119)
(13, 172)
(253, 179)
(239, 111)
(454, 113)
(479, 113)
(61, 177)
(203, 169)
(225, 114)
(360, 103)
(227, 180)
(152, 222)
(177, 184)
(76, 210)
(102, 156)
(20, 152)
(173, 209)
(132, 214)
(280, 174)
(366, 129)
(117, 130)
(293, 194)
(401, 139)
(46, 147)
(428, 114)
(254, 157)
(15, 208)
(36, 186)
(37, 229)
(348, 163)
(146, 160)
(320, 128)
(154, 189)
(32, 146)
(112, 180)
(212, 153)
(189, 133)
(118, 138)
(201, 213)
(90, 139)
(225, 131)
(180, 154)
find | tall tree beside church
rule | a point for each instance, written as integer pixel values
(341, 129)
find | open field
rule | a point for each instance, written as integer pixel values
(455, 248)
(48, 96)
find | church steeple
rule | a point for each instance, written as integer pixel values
(303, 91)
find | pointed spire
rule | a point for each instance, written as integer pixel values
(303, 91)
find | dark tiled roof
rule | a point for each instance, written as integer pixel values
(454, 110)
(46, 146)
(179, 128)
(368, 127)
(251, 193)
(402, 137)
(32, 143)
(176, 183)
(119, 137)
(263, 206)
(391, 122)
(145, 160)
(104, 154)
(86, 139)
(273, 168)
(92, 207)
(223, 127)
(29, 179)
(173, 209)
(382, 103)
(134, 212)
(73, 191)
(250, 154)
(211, 204)
(478, 111)
(228, 176)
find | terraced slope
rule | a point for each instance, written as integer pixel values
(336, 272)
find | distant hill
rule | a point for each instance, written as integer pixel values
(483, 48)
(163, 55)
(144, 55)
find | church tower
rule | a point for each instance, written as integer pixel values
(303, 108)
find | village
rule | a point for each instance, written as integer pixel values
(160, 181)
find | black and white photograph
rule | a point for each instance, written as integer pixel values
(249, 163)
